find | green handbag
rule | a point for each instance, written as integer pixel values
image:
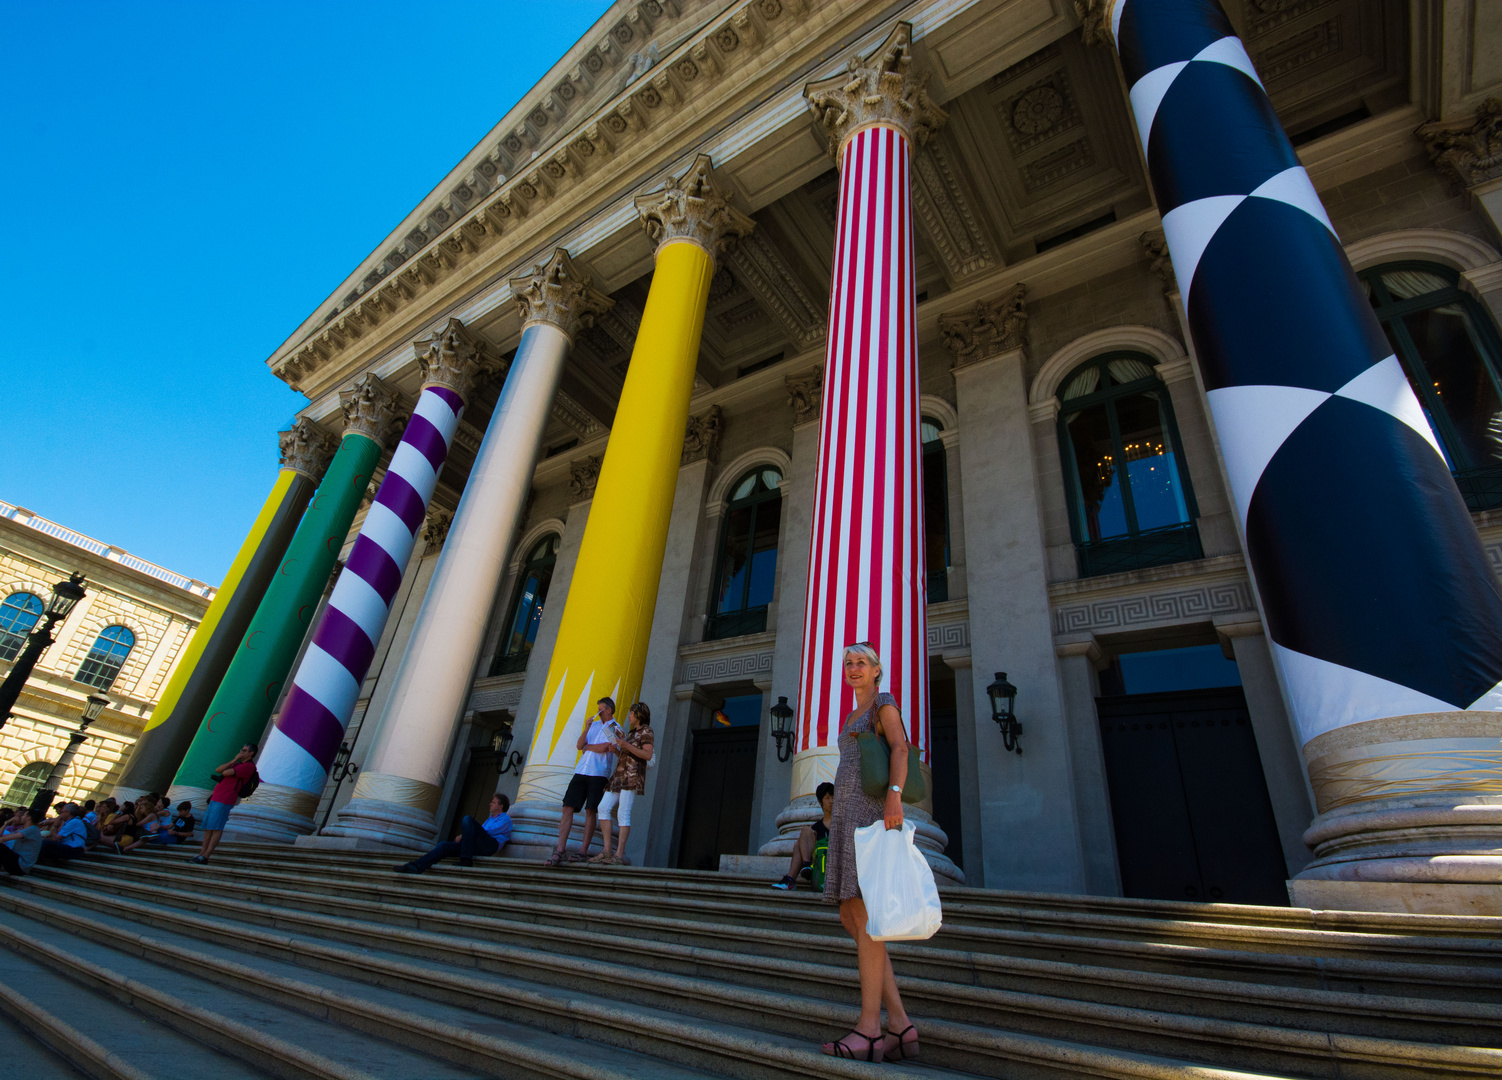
(876, 769)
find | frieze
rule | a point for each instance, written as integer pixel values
(946, 215)
(713, 669)
(1183, 604)
(508, 695)
(949, 636)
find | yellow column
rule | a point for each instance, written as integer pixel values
(607, 618)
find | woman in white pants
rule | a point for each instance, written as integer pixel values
(627, 782)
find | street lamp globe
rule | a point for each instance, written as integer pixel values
(93, 707)
(64, 595)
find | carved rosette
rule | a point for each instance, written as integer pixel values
(702, 439)
(435, 529)
(306, 449)
(881, 88)
(373, 409)
(805, 395)
(1469, 152)
(1156, 246)
(450, 359)
(990, 328)
(694, 209)
(582, 478)
(558, 292)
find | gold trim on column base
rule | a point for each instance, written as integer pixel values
(279, 797)
(544, 784)
(401, 790)
(1447, 755)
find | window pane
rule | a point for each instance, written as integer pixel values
(730, 596)
(770, 478)
(1406, 284)
(744, 488)
(928, 431)
(18, 616)
(764, 553)
(935, 514)
(1157, 494)
(1446, 342)
(1085, 382)
(1099, 508)
(529, 605)
(106, 657)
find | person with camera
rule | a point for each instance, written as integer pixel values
(236, 777)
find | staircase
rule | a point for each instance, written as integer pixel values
(311, 964)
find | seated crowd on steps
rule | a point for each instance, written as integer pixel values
(29, 835)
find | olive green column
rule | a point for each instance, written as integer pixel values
(242, 705)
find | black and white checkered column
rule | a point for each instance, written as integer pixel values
(1376, 593)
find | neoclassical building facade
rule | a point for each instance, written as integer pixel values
(124, 640)
(757, 328)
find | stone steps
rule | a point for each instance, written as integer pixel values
(684, 980)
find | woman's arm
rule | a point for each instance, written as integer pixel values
(890, 725)
(643, 752)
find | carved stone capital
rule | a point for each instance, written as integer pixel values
(373, 409)
(306, 449)
(451, 359)
(1469, 152)
(805, 395)
(1156, 246)
(435, 529)
(582, 477)
(988, 329)
(558, 292)
(881, 88)
(694, 209)
(702, 439)
(1095, 19)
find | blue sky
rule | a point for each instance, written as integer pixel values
(183, 184)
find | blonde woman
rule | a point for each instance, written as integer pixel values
(854, 809)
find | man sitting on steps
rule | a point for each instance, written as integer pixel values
(475, 838)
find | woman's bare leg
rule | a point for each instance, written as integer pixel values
(620, 846)
(605, 826)
(871, 961)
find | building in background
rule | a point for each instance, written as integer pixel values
(123, 640)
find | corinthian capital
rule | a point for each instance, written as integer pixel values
(1095, 20)
(693, 209)
(306, 449)
(450, 359)
(988, 329)
(373, 409)
(558, 292)
(878, 89)
(1469, 152)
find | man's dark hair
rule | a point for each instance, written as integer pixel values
(89, 804)
(250, 746)
(826, 788)
(156, 795)
(607, 701)
(185, 805)
(505, 802)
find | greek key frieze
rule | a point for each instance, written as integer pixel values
(712, 669)
(948, 636)
(1177, 605)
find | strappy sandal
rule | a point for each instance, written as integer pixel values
(839, 1048)
(553, 859)
(908, 1047)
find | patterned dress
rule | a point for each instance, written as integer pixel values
(853, 808)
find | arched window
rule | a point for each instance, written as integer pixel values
(1130, 501)
(27, 783)
(747, 565)
(1450, 352)
(526, 608)
(106, 658)
(18, 615)
(935, 509)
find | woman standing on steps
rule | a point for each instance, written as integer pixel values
(854, 809)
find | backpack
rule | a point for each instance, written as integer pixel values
(820, 863)
(250, 783)
(91, 833)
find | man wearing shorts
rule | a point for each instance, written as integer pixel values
(228, 779)
(585, 790)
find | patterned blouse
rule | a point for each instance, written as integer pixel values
(631, 771)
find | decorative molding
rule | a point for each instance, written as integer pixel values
(776, 286)
(306, 448)
(1095, 20)
(701, 441)
(806, 395)
(880, 88)
(1458, 250)
(1192, 603)
(583, 475)
(693, 208)
(945, 212)
(940, 410)
(435, 529)
(1156, 245)
(1494, 556)
(373, 409)
(949, 636)
(719, 491)
(506, 696)
(452, 360)
(1468, 152)
(990, 328)
(529, 539)
(1144, 339)
(560, 293)
(723, 668)
(575, 417)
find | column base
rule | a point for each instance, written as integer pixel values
(804, 810)
(534, 832)
(275, 814)
(1397, 897)
(387, 826)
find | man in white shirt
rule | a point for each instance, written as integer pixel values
(596, 763)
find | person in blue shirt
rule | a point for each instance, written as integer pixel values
(66, 839)
(19, 844)
(475, 838)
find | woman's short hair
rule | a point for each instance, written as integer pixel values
(866, 649)
(642, 713)
(826, 788)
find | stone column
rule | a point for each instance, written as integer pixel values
(1380, 608)
(238, 712)
(295, 762)
(1079, 658)
(1469, 152)
(397, 794)
(607, 618)
(159, 751)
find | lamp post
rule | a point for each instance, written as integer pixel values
(93, 706)
(500, 742)
(783, 728)
(65, 594)
(1003, 697)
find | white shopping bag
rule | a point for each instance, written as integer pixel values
(897, 884)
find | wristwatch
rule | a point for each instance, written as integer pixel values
(897, 789)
